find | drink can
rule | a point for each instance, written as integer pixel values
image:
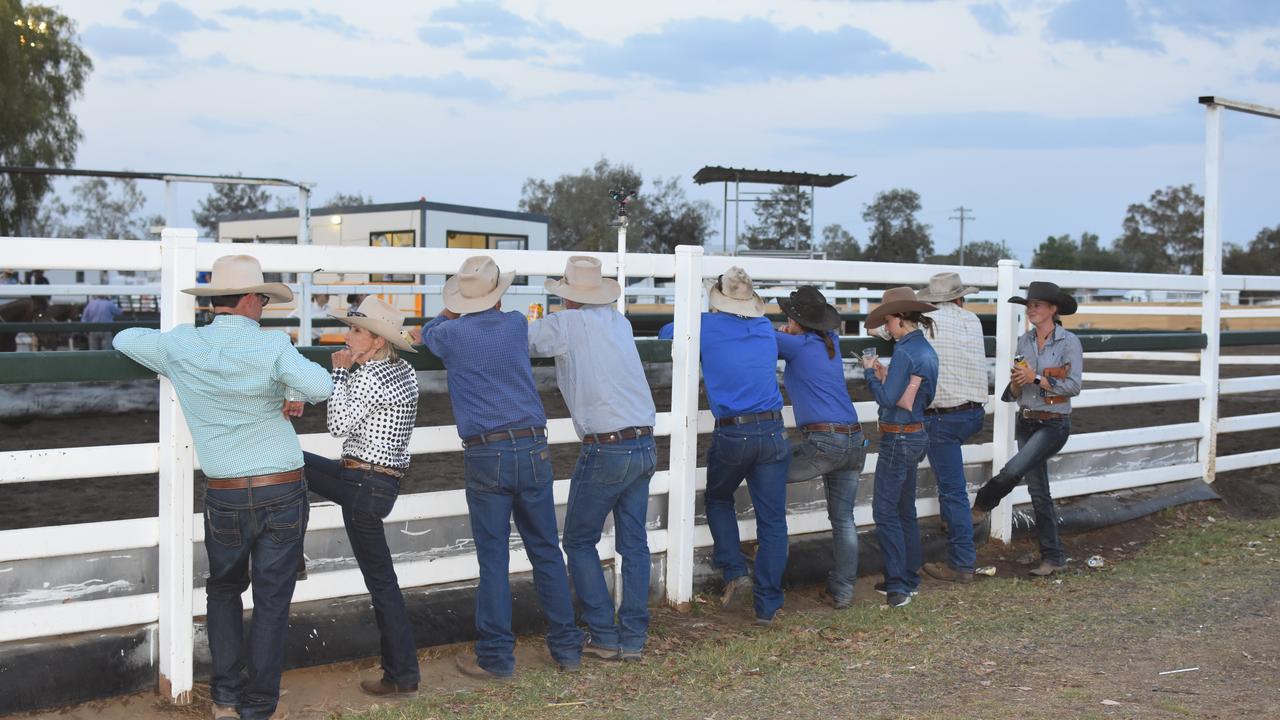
(535, 311)
(1020, 361)
(988, 570)
(1095, 561)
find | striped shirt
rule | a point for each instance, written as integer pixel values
(962, 356)
(374, 407)
(230, 377)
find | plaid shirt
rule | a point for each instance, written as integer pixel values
(962, 357)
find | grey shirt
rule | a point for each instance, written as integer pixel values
(1061, 350)
(597, 367)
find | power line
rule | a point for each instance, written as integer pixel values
(962, 217)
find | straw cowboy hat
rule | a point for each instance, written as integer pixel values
(478, 286)
(583, 283)
(809, 308)
(379, 318)
(944, 287)
(896, 300)
(732, 293)
(240, 275)
(1049, 293)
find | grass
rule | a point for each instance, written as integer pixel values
(1006, 647)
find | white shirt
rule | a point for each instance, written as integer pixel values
(374, 407)
(597, 367)
(962, 356)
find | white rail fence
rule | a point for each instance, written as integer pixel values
(175, 529)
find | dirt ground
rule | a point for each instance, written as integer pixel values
(113, 498)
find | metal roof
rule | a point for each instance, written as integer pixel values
(715, 173)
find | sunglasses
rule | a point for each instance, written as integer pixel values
(264, 299)
(355, 313)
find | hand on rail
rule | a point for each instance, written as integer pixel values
(293, 408)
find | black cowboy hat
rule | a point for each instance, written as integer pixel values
(1049, 293)
(809, 308)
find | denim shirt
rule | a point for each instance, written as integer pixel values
(1061, 350)
(912, 355)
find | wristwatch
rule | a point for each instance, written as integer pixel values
(1037, 380)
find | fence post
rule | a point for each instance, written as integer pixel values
(684, 424)
(1211, 301)
(304, 238)
(175, 577)
(1008, 324)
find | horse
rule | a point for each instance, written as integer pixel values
(30, 310)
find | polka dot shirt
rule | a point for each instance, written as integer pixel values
(374, 407)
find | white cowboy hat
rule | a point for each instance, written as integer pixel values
(944, 287)
(379, 318)
(896, 300)
(240, 275)
(583, 283)
(478, 286)
(732, 293)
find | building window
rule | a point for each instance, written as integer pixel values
(396, 238)
(487, 241)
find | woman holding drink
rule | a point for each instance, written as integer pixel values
(1045, 376)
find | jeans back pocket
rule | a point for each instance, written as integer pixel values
(377, 494)
(482, 470)
(222, 526)
(287, 522)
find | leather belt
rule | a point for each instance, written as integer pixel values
(894, 428)
(955, 408)
(241, 483)
(630, 433)
(487, 438)
(832, 428)
(750, 418)
(351, 463)
(1026, 414)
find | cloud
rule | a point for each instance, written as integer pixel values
(992, 18)
(454, 86)
(575, 96)
(489, 19)
(111, 41)
(172, 18)
(1267, 73)
(704, 51)
(1192, 16)
(500, 51)
(310, 18)
(224, 126)
(440, 35)
(1106, 23)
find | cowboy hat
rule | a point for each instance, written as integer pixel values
(809, 308)
(896, 300)
(944, 287)
(583, 283)
(732, 293)
(240, 275)
(1049, 293)
(379, 318)
(478, 286)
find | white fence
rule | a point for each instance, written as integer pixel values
(175, 529)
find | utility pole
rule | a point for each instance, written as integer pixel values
(962, 217)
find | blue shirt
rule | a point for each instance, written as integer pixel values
(739, 364)
(667, 332)
(912, 355)
(100, 310)
(230, 377)
(815, 382)
(490, 379)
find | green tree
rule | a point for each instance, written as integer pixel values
(1058, 252)
(341, 199)
(1095, 257)
(896, 235)
(1262, 257)
(982, 253)
(42, 71)
(228, 199)
(840, 244)
(111, 209)
(672, 220)
(580, 207)
(782, 221)
(1165, 235)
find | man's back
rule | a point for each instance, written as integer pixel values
(962, 362)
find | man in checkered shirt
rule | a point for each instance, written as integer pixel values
(955, 414)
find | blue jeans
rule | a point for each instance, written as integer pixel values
(366, 498)
(612, 478)
(894, 508)
(251, 532)
(947, 432)
(1038, 440)
(759, 453)
(838, 458)
(505, 478)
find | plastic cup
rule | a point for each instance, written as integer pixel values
(868, 353)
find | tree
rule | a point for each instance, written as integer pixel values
(1095, 257)
(341, 199)
(1167, 234)
(42, 71)
(580, 207)
(228, 199)
(896, 235)
(839, 244)
(110, 209)
(1262, 257)
(672, 220)
(1057, 253)
(782, 221)
(983, 253)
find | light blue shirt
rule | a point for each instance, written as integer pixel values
(230, 377)
(597, 367)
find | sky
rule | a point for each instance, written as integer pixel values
(1042, 117)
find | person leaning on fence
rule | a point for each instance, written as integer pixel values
(373, 407)
(832, 447)
(739, 370)
(955, 414)
(230, 378)
(603, 382)
(506, 463)
(1042, 384)
(902, 392)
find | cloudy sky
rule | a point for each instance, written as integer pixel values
(1044, 117)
